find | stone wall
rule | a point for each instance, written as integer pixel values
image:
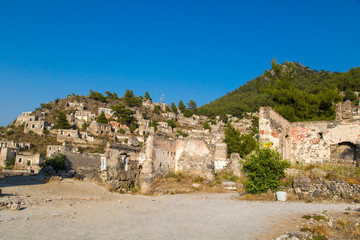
(311, 142)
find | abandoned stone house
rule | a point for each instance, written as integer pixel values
(29, 161)
(100, 129)
(36, 127)
(116, 126)
(78, 118)
(74, 106)
(19, 145)
(6, 154)
(161, 156)
(25, 117)
(313, 142)
(70, 135)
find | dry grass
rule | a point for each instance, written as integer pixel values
(346, 173)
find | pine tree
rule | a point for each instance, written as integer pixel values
(61, 121)
(181, 106)
(102, 118)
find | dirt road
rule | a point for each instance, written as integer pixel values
(73, 209)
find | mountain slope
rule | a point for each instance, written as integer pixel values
(252, 95)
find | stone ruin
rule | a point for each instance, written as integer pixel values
(315, 141)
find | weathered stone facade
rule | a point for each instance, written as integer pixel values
(313, 142)
(6, 153)
(29, 161)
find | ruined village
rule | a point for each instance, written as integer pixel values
(164, 145)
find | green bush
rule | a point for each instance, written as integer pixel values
(11, 163)
(264, 169)
(58, 162)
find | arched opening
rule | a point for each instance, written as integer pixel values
(344, 152)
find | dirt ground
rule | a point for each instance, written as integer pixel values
(72, 209)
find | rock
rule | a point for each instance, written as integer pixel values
(330, 224)
(303, 182)
(228, 185)
(297, 191)
(196, 185)
(15, 207)
(134, 142)
(48, 170)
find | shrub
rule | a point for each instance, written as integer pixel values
(171, 123)
(58, 162)
(11, 163)
(264, 169)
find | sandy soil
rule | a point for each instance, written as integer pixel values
(73, 209)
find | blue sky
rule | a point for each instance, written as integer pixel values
(184, 49)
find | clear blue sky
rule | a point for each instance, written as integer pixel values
(184, 49)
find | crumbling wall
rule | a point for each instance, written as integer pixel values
(274, 131)
(86, 164)
(314, 141)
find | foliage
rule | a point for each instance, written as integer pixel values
(145, 115)
(173, 107)
(147, 96)
(295, 104)
(187, 112)
(181, 133)
(239, 143)
(124, 116)
(157, 109)
(171, 123)
(181, 106)
(102, 119)
(46, 106)
(61, 121)
(154, 124)
(224, 118)
(58, 162)
(111, 95)
(192, 106)
(206, 125)
(131, 100)
(10, 163)
(264, 168)
(97, 96)
(318, 87)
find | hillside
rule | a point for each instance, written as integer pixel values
(255, 93)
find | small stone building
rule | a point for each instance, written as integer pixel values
(31, 161)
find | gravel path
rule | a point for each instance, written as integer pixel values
(84, 210)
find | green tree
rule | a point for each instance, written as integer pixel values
(61, 121)
(97, 96)
(57, 162)
(131, 100)
(192, 106)
(264, 169)
(102, 119)
(147, 96)
(187, 112)
(206, 125)
(350, 95)
(239, 143)
(157, 109)
(171, 123)
(181, 106)
(124, 116)
(109, 94)
(173, 107)
(154, 124)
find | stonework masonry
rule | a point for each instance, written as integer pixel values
(313, 142)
